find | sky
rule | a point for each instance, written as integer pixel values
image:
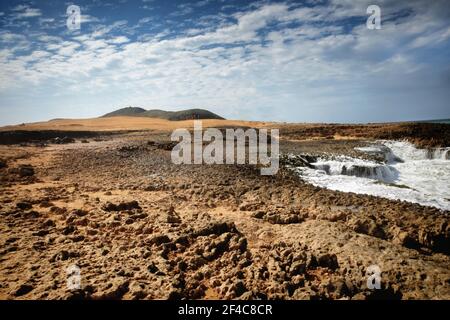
(289, 61)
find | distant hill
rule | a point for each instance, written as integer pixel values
(162, 114)
(128, 111)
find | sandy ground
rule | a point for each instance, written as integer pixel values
(125, 123)
(140, 227)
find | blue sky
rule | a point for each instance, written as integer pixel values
(294, 61)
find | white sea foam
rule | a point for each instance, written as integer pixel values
(371, 149)
(423, 176)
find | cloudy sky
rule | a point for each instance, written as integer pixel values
(294, 61)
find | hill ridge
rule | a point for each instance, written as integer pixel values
(188, 114)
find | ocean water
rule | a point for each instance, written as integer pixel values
(446, 121)
(410, 174)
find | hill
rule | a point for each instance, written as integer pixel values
(128, 111)
(189, 114)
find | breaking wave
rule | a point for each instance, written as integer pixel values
(410, 174)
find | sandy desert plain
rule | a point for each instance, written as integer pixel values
(103, 194)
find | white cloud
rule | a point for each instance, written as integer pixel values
(25, 11)
(119, 40)
(86, 18)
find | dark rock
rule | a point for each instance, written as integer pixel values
(328, 261)
(31, 214)
(160, 239)
(128, 149)
(259, 214)
(216, 228)
(64, 140)
(384, 294)
(297, 267)
(23, 290)
(41, 233)
(24, 205)
(175, 294)
(49, 223)
(123, 206)
(58, 210)
(405, 239)
(239, 288)
(77, 295)
(63, 255)
(68, 230)
(26, 170)
(79, 212)
(78, 238)
(152, 268)
(118, 292)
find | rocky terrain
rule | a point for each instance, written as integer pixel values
(140, 227)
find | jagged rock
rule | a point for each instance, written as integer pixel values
(204, 255)
(123, 206)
